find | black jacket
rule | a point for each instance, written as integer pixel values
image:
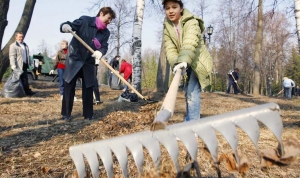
(114, 63)
(235, 75)
(78, 56)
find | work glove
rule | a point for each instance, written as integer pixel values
(97, 55)
(182, 65)
(66, 28)
(51, 72)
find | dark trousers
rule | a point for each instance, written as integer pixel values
(231, 82)
(68, 98)
(96, 86)
(24, 79)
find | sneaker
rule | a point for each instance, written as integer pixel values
(98, 102)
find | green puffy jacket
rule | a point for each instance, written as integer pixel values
(192, 49)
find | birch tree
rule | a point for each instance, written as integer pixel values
(258, 47)
(136, 46)
(297, 16)
(22, 27)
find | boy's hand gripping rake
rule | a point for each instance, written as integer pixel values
(246, 119)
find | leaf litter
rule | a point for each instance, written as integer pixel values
(34, 142)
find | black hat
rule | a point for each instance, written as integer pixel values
(163, 1)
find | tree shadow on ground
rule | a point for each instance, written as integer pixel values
(31, 137)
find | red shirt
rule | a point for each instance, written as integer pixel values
(126, 68)
(60, 65)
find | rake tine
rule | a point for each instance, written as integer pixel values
(189, 141)
(204, 130)
(105, 155)
(228, 130)
(136, 150)
(153, 148)
(120, 151)
(170, 143)
(274, 124)
(78, 160)
(92, 159)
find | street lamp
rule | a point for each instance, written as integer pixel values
(210, 30)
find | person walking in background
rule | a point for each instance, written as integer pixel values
(59, 64)
(185, 49)
(111, 78)
(233, 76)
(287, 84)
(19, 60)
(126, 68)
(80, 62)
(114, 63)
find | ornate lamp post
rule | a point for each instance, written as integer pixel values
(209, 30)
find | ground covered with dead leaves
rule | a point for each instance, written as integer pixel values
(34, 142)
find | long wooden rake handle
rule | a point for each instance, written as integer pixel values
(167, 109)
(108, 66)
(236, 82)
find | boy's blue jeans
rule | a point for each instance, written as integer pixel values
(192, 96)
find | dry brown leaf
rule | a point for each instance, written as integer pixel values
(157, 126)
(291, 147)
(37, 154)
(230, 161)
(46, 170)
(269, 157)
(232, 165)
(75, 174)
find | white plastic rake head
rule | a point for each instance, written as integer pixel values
(246, 119)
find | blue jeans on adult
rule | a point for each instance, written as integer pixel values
(288, 92)
(60, 73)
(231, 82)
(192, 97)
(129, 80)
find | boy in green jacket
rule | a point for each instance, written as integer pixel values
(185, 49)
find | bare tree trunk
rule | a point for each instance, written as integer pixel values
(3, 18)
(258, 47)
(137, 45)
(297, 16)
(118, 36)
(22, 27)
(163, 71)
